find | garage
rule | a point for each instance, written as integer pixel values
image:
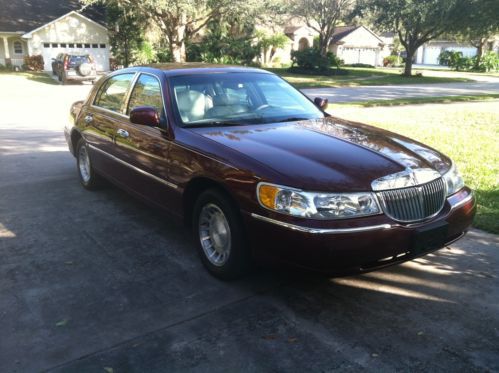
(356, 45)
(70, 33)
(99, 52)
(359, 55)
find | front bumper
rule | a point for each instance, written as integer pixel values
(354, 245)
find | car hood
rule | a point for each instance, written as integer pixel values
(327, 154)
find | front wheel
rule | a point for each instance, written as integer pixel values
(220, 237)
(88, 178)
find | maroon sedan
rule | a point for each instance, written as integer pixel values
(261, 172)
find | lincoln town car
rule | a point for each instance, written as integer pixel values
(261, 173)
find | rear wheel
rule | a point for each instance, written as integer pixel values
(88, 177)
(220, 237)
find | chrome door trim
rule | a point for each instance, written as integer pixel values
(137, 169)
(310, 230)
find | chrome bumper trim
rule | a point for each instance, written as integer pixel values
(464, 201)
(321, 230)
(139, 170)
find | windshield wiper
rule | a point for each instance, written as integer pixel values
(291, 119)
(216, 123)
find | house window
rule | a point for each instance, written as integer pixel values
(55, 45)
(87, 45)
(103, 45)
(79, 45)
(46, 45)
(71, 45)
(95, 45)
(18, 47)
(63, 45)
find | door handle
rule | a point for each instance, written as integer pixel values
(122, 133)
(89, 119)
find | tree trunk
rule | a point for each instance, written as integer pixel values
(479, 53)
(408, 62)
(323, 46)
(179, 52)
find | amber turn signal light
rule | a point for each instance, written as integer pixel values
(267, 195)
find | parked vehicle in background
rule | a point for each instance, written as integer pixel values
(74, 67)
(260, 172)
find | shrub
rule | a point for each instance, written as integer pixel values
(34, 63)
(392, 61)
(364, 65)
(114, 64)
(490, 61)
(449, 58)
(311, 59)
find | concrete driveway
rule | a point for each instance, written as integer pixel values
(97, 281)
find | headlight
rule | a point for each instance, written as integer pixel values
(324, 206)
(453, 180)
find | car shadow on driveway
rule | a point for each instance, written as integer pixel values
(94, 280)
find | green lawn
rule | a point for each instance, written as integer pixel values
(468, 133)
(419, 100)
(35, 76)
(359, 77)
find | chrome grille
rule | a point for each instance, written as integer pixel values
(413, 203)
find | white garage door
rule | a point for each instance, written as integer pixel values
(100, 53)
(359, 55)
(431, 55)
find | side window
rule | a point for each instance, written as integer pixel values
(111, 95)
(147, 92)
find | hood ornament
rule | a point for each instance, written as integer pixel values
(404, 179)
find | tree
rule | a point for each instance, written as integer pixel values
(323, 17)
(481, 24)
(125, 33)
(178, 20)
(415, 21)
(269, 44)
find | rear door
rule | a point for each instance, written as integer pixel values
(103, 118)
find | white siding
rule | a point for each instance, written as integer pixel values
(72, 33)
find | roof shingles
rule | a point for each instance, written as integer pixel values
(28, 15)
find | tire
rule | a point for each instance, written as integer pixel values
(87, 175)
(219, 231)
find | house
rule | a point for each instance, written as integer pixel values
(428, 53)
(50, 27)
(357, 45)
(352, 44)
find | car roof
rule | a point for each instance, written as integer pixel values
(176, 69)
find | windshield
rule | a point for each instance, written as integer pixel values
(238, 98)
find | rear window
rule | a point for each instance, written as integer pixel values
(78, 60)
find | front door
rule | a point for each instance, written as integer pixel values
(145, 148)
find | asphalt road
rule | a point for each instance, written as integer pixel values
(392, 92)
(94, 281)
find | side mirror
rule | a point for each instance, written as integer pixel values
(145, 115)
(321, 103)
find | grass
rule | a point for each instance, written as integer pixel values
(420, 100)
(361, 77)
(32, 75)
(468, 133)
